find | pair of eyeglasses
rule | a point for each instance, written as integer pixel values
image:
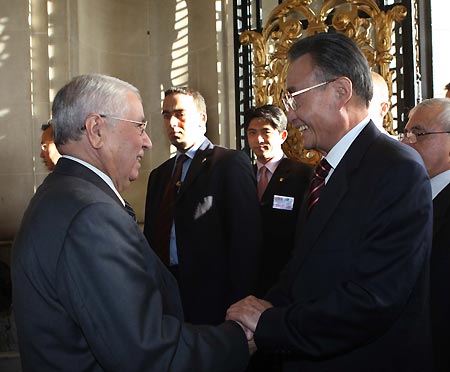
(140, 124)
(289, 101)
(411, 137)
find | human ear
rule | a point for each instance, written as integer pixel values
(95, 130)
(344, 89)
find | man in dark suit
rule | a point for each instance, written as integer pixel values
(212, 242)
(354, 297)
(428, 131)
(88, 292)
(282, 195)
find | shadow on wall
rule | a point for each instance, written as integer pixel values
(9, 355)
(8, 337)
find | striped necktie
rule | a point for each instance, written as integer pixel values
(317, 182)
(130, 210)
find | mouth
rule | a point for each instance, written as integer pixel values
(302, 128)
(175, 133)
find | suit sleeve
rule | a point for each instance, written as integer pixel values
(387, 262)
(243, 225)
(118, 293)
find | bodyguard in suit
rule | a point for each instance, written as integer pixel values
(428, 131)
(354, 297)
(208, 231)
(282, 185)
(89, 294)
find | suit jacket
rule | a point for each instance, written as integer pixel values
(217, 226)
(355, 295)
(90, 295)
(440, 281)
(291, 178)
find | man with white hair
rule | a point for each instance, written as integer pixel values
(428, 132)
(89, 294)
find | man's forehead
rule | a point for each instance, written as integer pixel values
(47, 135)
(135, 105)
(301, 70)
(178, 99)
(424, 117)
(260, 123)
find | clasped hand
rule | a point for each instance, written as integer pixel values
(247, 313)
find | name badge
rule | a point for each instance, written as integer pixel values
(283, 202)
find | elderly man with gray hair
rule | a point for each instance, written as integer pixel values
(428, 131)
(88, 292)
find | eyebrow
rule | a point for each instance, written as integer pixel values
(172, 112)
(417, 127)
(291, 89)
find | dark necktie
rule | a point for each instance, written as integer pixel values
(165, 217)
(263, 181)
(317, 182)
(130, 210)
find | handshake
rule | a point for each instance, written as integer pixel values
(246, 313)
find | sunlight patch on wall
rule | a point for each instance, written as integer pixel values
(179, 73)
(220, 54)
(4, 112)
(31, 58)
(4, 55)
(50, 51)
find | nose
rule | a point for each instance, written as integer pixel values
(260, 138)
(173, 121)
(291, 115)
(146, 142)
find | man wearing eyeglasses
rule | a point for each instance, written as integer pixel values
(428, 132)
(211, 240)
(354, 297)
(49, 153)
(89, 294)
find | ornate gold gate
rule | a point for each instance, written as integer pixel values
(361, 20)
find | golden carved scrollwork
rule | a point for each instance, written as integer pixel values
(361, 20)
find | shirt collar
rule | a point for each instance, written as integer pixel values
(191, 152)
(439, 182)
(99, 173)
(272, 164)
(338, 151)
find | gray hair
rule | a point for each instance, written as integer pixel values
(444, 116)
(84, 95)
(335, 55)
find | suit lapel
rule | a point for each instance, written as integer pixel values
(167, 170)
(441, 207)
(73, 168)
(280, 174)
(199, 162)
(333, 193)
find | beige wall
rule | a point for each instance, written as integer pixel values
(150, 43)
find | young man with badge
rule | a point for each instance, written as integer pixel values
(282, 184)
